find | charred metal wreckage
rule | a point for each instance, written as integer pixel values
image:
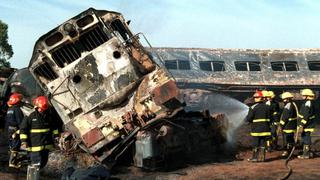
(111, 95)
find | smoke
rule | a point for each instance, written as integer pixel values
(234, 110)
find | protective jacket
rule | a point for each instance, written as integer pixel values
(14, 116)
(288, 120)
(38, 131)
(260, 117)
(307, 117)
(275, 111)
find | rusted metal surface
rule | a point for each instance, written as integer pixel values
(102, 82)
(143, 60)
(92, 137)
(165, 93)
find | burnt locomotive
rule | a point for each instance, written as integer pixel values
(111, 94)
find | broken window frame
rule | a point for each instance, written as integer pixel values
(290, 66)
(314, 65)
(213, 66)
(253, 66)
(120, 30)
(177, 64)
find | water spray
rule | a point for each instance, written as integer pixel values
(234, 110)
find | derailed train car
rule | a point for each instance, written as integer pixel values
(4, 74)
(111, 95)
(240, 72)
(21, 81)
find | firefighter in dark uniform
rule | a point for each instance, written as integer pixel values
(13, 119)
(37, 133)
(275, 111)
(265, 94)
(306, 121)
(259, 116)
(288, 121)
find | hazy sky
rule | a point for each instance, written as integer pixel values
(176, 23)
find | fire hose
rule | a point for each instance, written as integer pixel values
(288, 174)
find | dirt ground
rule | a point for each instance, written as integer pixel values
(235, 169)
(222, 165)
(220, 168)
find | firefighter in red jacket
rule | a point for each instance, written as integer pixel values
(288, 121)
(259, 116)
(306, 121)
(13, 119)
(37, 133)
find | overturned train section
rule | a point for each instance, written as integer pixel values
(111, 95)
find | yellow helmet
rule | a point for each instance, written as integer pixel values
(265, 93)
(307, 92)
(271, 94)
(286, 95)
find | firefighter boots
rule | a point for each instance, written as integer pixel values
(269, 145)
(306, 152)
(255, 154)
(33, 172)
(263, 154)
(287, 151)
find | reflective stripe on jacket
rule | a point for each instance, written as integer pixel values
(307, 116)
(288, 120)
(38, 130)
(260, 116)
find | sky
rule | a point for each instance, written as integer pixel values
(259, 24)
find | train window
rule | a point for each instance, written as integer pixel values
(285, 66)
(291, 66)
(171, 64)
(241, 66)
(183, 65)
(247, 65)
(314, 65)
(277, 66)
(205, 65)
(212, 65)
(254, 66)
(177, 64)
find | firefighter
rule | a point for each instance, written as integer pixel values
(306, 121)
(265, 94)
(37, 133)
(288, 121)
(13, 119)
(275, 111)
(259, 116)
